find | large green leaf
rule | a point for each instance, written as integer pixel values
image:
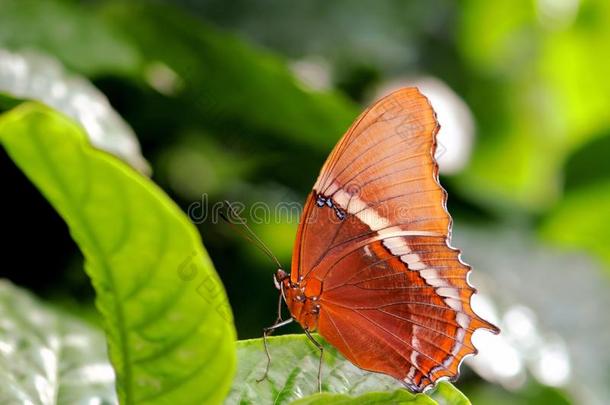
(444, 394)
(372, 398)
(293, 376)
(168, 323)
(47, 357)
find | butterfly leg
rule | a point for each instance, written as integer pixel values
(319, 346)
(266, 332)
(279, 310)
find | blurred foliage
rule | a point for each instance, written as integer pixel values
(211, 91)
(34, 76)
(222, 76)
(48, 356)
(544, 61)
(534, 395)
(582, 219)
(74, 35)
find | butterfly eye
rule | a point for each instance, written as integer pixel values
(279, 276)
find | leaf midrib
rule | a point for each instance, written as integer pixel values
(85, 226)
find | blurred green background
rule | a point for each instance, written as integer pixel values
(244, 100)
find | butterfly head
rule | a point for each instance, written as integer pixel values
(279, 277)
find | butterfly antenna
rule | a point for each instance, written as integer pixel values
(248, 233)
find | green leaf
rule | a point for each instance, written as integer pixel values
(293, 376)
(34, 76)
(372, 398)
(168, 323)
(447, 394)
(48, 357)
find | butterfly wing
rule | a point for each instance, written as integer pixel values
(373, 247)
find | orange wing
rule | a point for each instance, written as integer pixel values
(373, 250)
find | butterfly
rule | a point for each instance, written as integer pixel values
(373, 271)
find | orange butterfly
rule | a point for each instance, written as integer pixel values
(372, 269)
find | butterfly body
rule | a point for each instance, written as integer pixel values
(373, 271)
